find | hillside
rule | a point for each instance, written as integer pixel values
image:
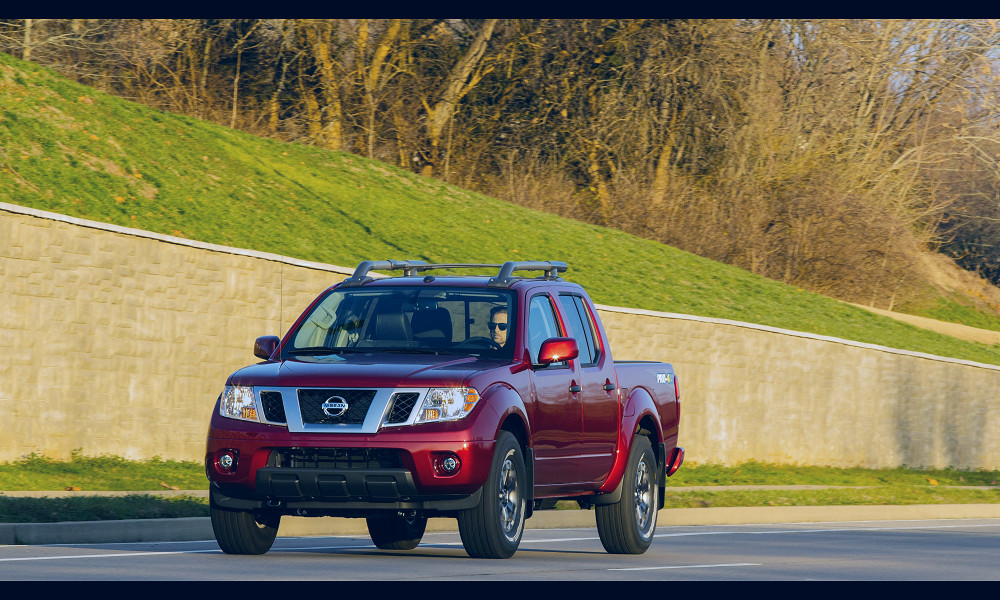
(69, 149)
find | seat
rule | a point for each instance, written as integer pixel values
(392, 327)
(432, 326)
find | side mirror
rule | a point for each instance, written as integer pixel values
(265, 345)
(558, 349)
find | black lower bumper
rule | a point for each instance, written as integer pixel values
(337, 492)
(364, 485)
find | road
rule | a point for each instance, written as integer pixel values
(945, 549)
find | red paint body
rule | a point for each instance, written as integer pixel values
(570, 417)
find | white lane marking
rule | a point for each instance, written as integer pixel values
(115, 555)
(141, 553)
(689, 567)
(444, 533)
(830, 529)
(523, 541)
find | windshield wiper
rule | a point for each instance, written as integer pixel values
(325, 350)
(434, 351)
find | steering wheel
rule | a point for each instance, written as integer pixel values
(479, 340)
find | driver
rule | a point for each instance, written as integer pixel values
(498, 325)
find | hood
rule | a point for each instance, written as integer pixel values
(366, 370)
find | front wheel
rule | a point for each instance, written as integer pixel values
(244, 532)
(493, 529)
(396, 533)
(627, 526)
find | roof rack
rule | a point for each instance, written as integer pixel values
(413, 267)
(552, 269)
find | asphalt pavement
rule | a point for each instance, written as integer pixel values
(200, 528)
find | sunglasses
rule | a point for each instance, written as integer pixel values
(500, 326)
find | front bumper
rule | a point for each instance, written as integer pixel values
(341, 473)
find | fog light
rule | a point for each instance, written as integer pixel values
(227, 460)
(450, 464)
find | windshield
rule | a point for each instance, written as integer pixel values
(435, 320)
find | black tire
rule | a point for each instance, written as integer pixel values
(243, 532)
(396, 533)
(627, 527)
(493, 529)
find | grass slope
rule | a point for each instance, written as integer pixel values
(69, 149)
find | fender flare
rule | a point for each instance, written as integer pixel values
(638, 406)
(507, 404)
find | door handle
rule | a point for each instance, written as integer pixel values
(609, 386)
(575, 389)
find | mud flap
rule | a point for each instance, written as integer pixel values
(661, 474)
(529, 468)
(609, 498)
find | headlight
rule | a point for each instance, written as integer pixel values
(238, 403)
(447, 404)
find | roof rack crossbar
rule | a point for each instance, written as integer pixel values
(413, 267)
(551, 268)
(364, 267)
(421, 268)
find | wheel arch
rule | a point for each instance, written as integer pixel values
(510, 411)
(512, 418)
(649, 427)
(516, 426)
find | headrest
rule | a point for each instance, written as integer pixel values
(391, 326)
(432, 324)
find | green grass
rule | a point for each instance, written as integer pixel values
(72, 150)
(110, 473)
(831, 497)
(136, 506)
(100, 508)
(114, 473)
(759, 473)
(100, 473)
(953, 308)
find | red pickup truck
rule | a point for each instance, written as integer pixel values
(478, 398)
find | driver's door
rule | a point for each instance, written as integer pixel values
(556, 411)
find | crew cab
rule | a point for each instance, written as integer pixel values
(481, 398)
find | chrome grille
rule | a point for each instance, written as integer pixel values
(274, 408)
(402, 406)
(311, 405)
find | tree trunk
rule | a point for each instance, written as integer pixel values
(333, 130)
(26, 50)
(454, 88)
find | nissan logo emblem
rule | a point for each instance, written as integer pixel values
(334, 406)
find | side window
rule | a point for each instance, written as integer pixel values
(590, 328)
(579, 327)
(542, 325)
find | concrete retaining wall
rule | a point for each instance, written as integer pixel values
(752, 392)
(118, 341)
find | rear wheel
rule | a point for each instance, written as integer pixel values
(396, 533)
(244, 532)
(493, 529)
(627, 526)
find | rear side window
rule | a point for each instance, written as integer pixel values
(581, 327)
